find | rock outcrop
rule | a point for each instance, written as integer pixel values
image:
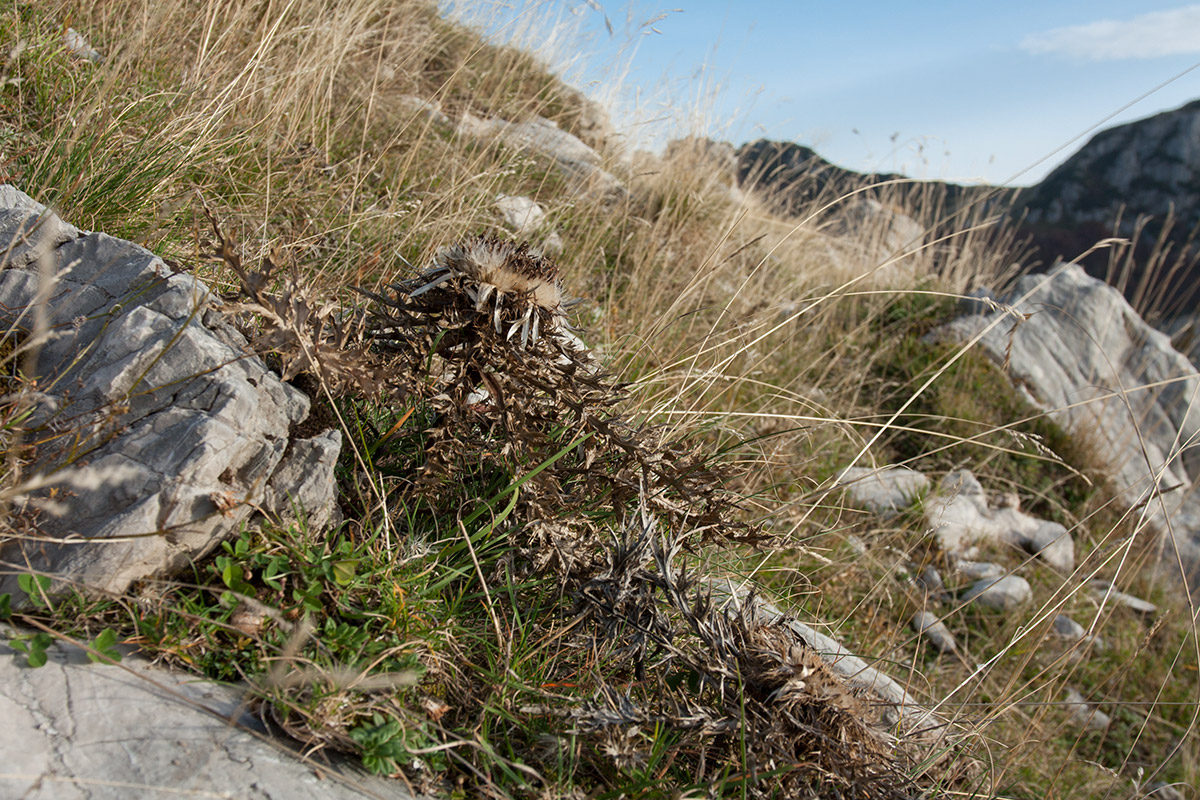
(884, 491)
(961, 516)
(1076, 349)
(159, 431)
(74, 729)
(578, 162)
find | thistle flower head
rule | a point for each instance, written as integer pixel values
(494, 273)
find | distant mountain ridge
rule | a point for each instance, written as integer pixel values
(791, 176)
(1141, 176)
(1149, 166)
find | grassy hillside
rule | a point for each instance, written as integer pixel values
(520, 602)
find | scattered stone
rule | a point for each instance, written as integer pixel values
(181, 429)
(856, 544)
(1106, 592)
(528, 219)
(1003, 594)
(1068, 628)
(884, 491)
(961, 516)
(980, 570)
(79, 47)
(1071, 631)
(930, 581)
(1053, 544)
(522, 214)
(935, 631)
(74, 729)
(1084, 714)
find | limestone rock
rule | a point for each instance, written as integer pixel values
(578, 162)
(1105, 592)
(1003, 594)
(961, 516)
(527, 219)
(1086, 357)
(882, 236)
(176, 430)
(883, 491)
(934, 631)
(79, 47)
(73, 729)
(930, 581)
(303, 486)
(1084, 714)
(522, 214)
(980, 570)
(1071, 631)
(899, 705)
(1068, 628)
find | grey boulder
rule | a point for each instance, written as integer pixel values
(934, 631)
(74, 729)
(1108, 594)
(884, 491)
(159, 428)
(1085, 715)
(1079, 351)
(1002, 594)
(962, 516)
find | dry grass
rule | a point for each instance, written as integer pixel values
(325, 138)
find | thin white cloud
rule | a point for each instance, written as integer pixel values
(1152, 35)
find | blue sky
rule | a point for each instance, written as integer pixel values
(970, 90)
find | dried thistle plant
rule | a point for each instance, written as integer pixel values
(760, 699)
(537, 400)
(307, 335)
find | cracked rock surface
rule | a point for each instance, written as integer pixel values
(75, 730)
(175, 432)
(1082, 353)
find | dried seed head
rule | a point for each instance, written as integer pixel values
(509, 267)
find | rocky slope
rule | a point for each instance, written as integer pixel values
(1147, 167)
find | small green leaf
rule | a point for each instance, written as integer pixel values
(34, 648)
(344, 571)
(37, 658)
(5, 605)
(104, 648)
(35, 586)
(275, 569)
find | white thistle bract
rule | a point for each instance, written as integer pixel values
(496, 275)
